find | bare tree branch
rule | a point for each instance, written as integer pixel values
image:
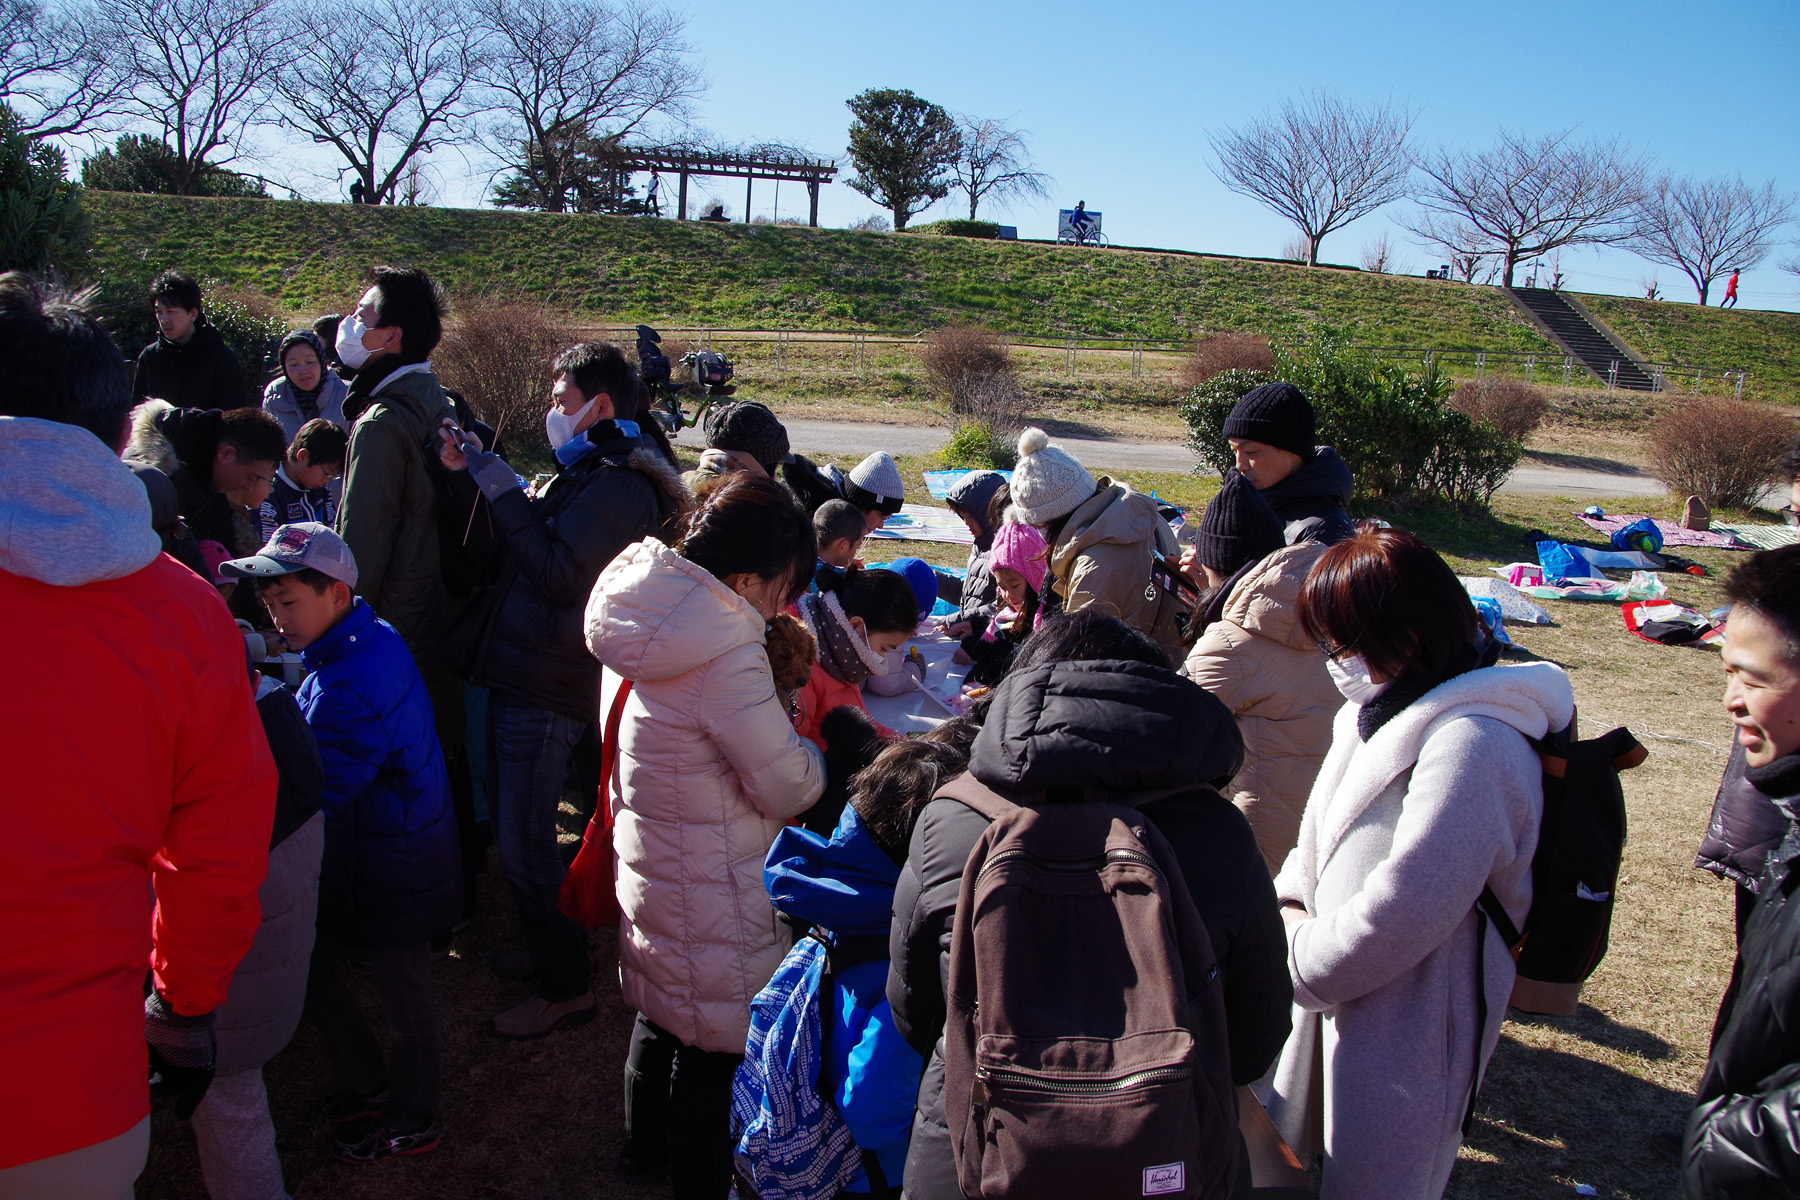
(1709, 227)
(384, 100)
(199, 71)
(556, 68)
(53, 70)
(1527, 196)
(995, 164)
(1320, 162)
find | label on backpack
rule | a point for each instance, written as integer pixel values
(1165, 1180)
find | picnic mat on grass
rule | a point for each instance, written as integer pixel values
(1763, 537)
(1672, 534)
(925, 523)
(939, 483)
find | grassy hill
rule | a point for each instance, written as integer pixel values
(314, 256)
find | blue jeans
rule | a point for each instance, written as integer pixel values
(528, 759)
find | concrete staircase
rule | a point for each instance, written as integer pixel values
(1581, 335)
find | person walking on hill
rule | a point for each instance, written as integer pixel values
(188, 364)
(1271, 433)
(1253, 654)
(1431, 792)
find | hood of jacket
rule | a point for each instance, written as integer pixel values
(972, 494)
(844, 883)
(170, 438)
(1114, 514)
(1265, 601)
(1121, 731)
(70, 512)
(655, 615)
(1326, 476)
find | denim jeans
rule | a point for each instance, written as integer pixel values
(528, 759)
(678, 1103)
(408, 1001)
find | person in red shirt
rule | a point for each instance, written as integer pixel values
(137, 762)
(1730, 300)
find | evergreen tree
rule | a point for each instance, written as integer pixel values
(42, 227)
(903, 148)
(138, 162)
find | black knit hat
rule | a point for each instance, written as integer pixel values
(749, 427)
(1238, 527)
(1275, 414)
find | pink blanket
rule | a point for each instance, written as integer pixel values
(1673, 534)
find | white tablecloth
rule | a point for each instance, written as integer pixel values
(927, 706)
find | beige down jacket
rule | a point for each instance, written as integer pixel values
(1259, 661)
(709, 770)
(1104, 556)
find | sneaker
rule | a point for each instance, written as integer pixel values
(515, 965)
(347, 1106)
(535, 1017)
(378, 1144)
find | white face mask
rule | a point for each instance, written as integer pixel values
(350, 342)
(560, 426)
(1351, 676)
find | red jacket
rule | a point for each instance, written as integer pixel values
(821, 694)
(135, 758)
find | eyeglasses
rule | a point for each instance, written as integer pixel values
(268, 479)
(1335, 653)
(1790, 515)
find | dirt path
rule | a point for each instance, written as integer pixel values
(846, 438)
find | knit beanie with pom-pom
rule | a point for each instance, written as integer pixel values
(1048, 482)
(1021, 548)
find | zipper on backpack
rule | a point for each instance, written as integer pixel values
(1028, 1082)
(1070, 866)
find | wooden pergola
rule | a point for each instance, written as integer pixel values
(749, 168)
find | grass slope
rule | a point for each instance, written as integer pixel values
(1766, 344)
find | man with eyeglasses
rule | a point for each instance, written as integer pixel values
(188, 364)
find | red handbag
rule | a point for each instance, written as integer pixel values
(588, 896)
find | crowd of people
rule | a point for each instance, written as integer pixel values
(335, 650)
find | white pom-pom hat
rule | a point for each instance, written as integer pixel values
(1048, 482)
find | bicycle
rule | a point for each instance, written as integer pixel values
(1081, 236)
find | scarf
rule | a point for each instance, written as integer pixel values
(1409, 689)
(843, 652)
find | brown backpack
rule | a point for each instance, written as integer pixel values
(1084, 1046)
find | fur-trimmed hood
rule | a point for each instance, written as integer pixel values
(150, 443)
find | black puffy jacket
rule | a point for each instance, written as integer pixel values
(1311, 501)
(1745, 826)
(199, 373)
(1743, 1138)
(979, 597)
(1132, 734)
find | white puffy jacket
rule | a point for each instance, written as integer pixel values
(709, 770)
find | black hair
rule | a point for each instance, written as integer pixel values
(326, 327)
(407, 297)
(867, 501)
(882, 598)
(1087, 635)
(1790, 464)
(1769, 582)
(890, 793)
(174, 287)
(596, 367)
(256, 435)
(323, 441)
(57, 363)
(837, 519)
(750, 524)
(997, 505)
(312, 577)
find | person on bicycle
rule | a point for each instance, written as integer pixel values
(1079, 220)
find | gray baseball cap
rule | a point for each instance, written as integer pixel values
(295, 548)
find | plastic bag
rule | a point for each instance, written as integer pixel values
(1564, 562)
(1640, 535)
(1492, 618)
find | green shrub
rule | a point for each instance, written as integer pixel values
(1391, 425)
(959, 228)
(42, 227)
(975, 446)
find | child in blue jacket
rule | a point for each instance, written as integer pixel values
(845, 884)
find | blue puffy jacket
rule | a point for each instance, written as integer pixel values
(392, 874)
(846, 885)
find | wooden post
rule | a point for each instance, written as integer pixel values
(682, 212)
(812, 188)
(749, 182)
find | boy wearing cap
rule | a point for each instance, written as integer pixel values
(873, 486)
(1271, 432)
(391, 877)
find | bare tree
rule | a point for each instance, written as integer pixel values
(1709, 227)
(198, 71)
(995, 164)
(1378, 255)
(384, 99)
(1321, 162)
(53, 71)
(1527, 196)
(555, 68)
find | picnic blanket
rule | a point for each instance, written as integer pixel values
(1763, 537)
(924, 523)
(1528, 580)
(1512, 602)
(1673, 534)
(939, 483)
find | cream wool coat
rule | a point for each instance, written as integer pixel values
(709, 770)
(1259, 661)
(1399, 836)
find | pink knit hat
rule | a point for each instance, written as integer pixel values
(1021, 548)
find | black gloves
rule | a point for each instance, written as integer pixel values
(181, 1053)
(851, 743)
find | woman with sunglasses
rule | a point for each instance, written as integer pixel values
(1430, 792)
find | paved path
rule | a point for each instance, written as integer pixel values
(847, 438)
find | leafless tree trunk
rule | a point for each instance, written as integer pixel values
(1527, 196)
(1709, 227)
(1378, 256)
(557, 68)
(995, 164)
(1320, 162)
(198, 71)
(53, 68)
(381, 101)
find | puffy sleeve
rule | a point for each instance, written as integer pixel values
(780, 772)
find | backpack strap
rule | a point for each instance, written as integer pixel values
(1489, 905)
(968, 790)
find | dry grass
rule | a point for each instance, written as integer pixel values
(1226, 352)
